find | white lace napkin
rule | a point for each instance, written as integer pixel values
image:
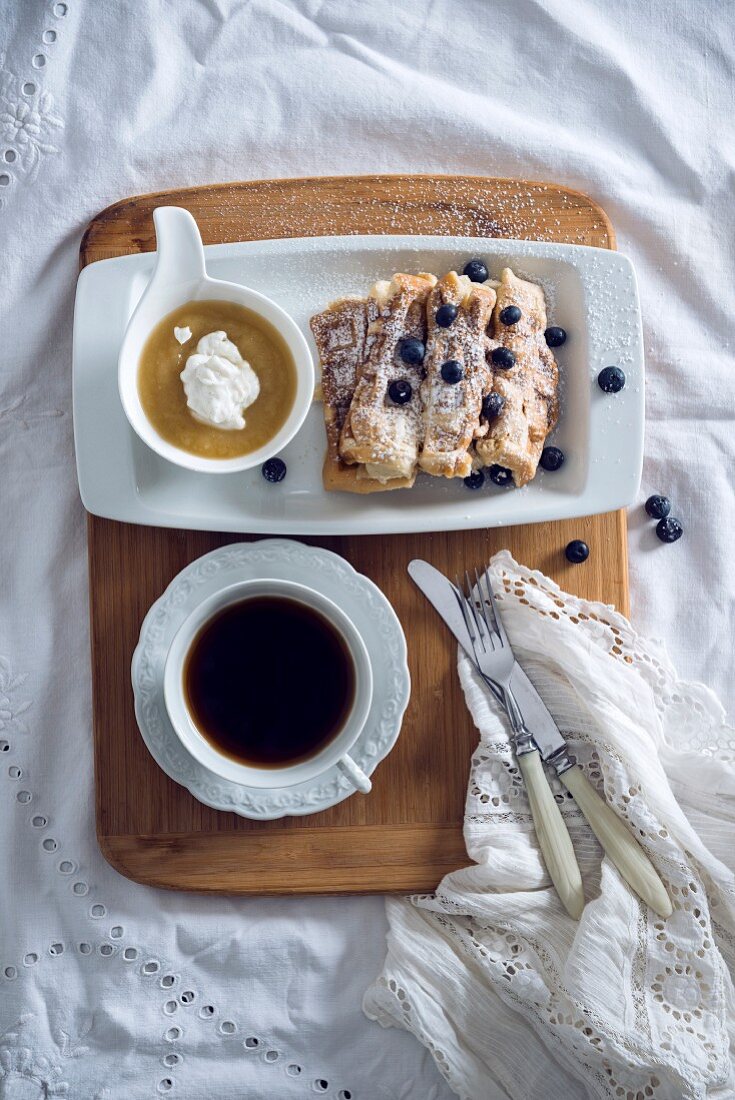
(512, 996)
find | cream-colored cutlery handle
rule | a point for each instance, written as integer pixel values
(623, 849)
(553, 837)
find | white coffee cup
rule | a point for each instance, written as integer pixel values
(337, 751)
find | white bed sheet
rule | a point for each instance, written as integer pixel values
(627, 101)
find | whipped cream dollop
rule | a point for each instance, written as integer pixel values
(219, 384)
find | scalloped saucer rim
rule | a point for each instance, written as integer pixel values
(323, 570)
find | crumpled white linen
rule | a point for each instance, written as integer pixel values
(100, 101)
(514, 997)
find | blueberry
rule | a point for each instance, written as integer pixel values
(475, 271)
(274, 470)
(577, 551)
(445, 315)
(411, 350)
(503, 358)
(555, 336)
(475, 480)
(400, 392)
(669, 529)
(511, 315)
(452, 371)
(551, 458)
(611, 380)
(492, 405)
(658, 507)
(500, 476)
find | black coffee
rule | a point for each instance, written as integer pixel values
(269, 681)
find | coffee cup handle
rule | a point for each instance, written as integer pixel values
(355, 774)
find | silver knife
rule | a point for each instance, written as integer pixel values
(441, 594)
(551, 830)
(622, 848)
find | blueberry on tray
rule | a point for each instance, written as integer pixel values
(476, 271)
(577, 551)
(555, 336)
(551, 458)
(611, 379)
(499, 475)
(274, 470)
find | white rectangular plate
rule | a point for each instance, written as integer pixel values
(590, 292)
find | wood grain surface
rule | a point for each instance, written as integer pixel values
(408, 832)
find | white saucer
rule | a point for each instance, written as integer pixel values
(329, 574)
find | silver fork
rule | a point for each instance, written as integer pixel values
(620, 845)
(495, 661)
(490, 639)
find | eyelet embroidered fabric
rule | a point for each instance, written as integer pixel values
(109, 1005)
(491, 973)
(99, 101)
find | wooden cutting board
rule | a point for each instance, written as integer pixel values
(408, 832)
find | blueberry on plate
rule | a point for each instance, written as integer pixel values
(475, 271)
(511, 315)
(492, 405)
(577, 551)
(658, 507)
(411, 350)
(500, 476)
(555, 336)
(274, 470)
(669, 529)
(445, 315)
(503, 358)
(452, 371)
(551, 458)
(400, 392)
(611, 380)
(475, 479)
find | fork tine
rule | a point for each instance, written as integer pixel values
(488, 602)
(483, 606)
(495, 611)
(459, 593)
(470, 603)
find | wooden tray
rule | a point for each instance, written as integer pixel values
(408, 832)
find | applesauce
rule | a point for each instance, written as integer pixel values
(162, 393)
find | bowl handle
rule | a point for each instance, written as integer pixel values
(179, 249)
(355, 774)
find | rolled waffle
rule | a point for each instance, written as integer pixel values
(376, 442)
(451, 410)
(516, 437)
(340, 332)
(378, 434)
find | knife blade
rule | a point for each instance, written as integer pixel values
(440, 593)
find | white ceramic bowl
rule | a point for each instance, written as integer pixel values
(336, 752)
(179, 277)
